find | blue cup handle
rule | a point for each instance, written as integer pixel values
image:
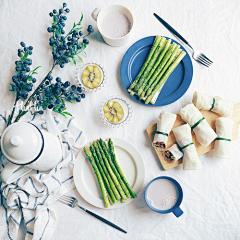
(178, 212)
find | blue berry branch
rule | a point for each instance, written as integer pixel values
(49, 94)
(23, 79)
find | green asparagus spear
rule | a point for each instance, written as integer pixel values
(149, 67)
(149, 87)
(154, 46)
(113, 187)
(164, 45)
(114, 178)
(105, 149)
(175, 54)
(98, 175)
(165, 76)
(114, 158)
(105, 180)
(173, 57)
(109, 198)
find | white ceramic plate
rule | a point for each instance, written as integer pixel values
(132, 166)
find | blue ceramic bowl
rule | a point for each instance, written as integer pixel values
(176, 210)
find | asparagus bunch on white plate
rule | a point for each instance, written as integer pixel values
(162, 59)
(112, 181)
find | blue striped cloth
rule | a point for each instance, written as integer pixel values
(30, 196)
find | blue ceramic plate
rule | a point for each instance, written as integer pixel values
(177, 83)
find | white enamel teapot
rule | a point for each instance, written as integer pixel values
(27, 147)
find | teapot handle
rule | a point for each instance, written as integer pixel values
(12, 172)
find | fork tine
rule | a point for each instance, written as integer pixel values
(198, 60)
(204, 59)
(65, 197)
(207, 58)
(63, 200)
(67, 200)
(203, 62)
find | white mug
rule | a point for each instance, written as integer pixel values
(99, 15)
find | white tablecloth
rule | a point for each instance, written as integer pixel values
(211, 202)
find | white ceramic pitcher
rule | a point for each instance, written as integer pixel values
(27, 147)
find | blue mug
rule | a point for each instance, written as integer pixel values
(176, 210)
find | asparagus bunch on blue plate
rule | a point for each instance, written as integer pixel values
(162, 59)
(112, 181)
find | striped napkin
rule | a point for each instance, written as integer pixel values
(30, 195)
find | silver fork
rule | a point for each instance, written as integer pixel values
(197, 55)
(73, 202)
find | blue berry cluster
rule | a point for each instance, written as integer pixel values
(48, 94)
(65, 48)
(23, 79)
(53, 95)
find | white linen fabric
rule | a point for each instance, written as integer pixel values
(30, 195)
(211, 195)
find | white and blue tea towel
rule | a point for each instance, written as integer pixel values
(29, 197)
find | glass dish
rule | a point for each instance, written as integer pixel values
(127, 111)
(78, 76)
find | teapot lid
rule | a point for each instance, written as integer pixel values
(22, 143)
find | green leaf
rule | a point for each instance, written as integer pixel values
(80, 58)
(67, 113)
(36, 68)
(12, 84)
(74, 61)
(11, 90)
(81, 18)
(78, 28)
(58, 106)
(64, 109)
(74, 25)
(83, 45)
(63, 101)
(25, 55)
(29, 79)
(34, 73)
(68, 100)
(62, 114)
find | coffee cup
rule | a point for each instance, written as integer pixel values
(164, 195)
(115, 23)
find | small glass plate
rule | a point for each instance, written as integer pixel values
(78, 76)
(127, 111)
